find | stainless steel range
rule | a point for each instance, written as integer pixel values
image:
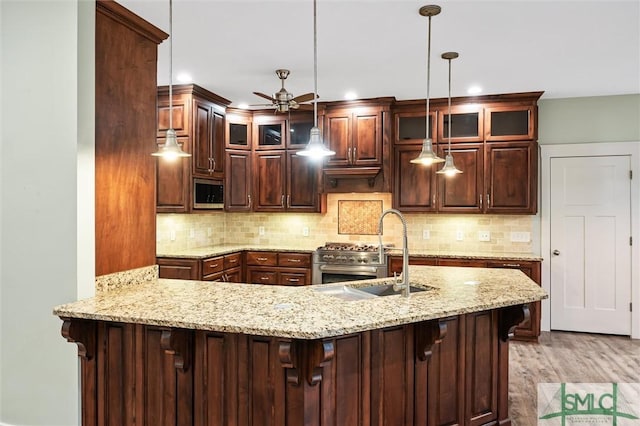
(336, 262)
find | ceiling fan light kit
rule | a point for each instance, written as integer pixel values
(315, 148)
(449, 169)
(170, 150)
(427, 156)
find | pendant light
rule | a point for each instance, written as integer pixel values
(427, 156)
(170, 150)
(315, 148)
(449, 169)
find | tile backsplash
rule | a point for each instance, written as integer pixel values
(185, 231)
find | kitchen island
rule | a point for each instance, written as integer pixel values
(202, 353)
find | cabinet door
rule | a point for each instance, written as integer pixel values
(180, 269)
(411, 127)
(302, 183)
(202, 134)
(217, 145)
(337, 137)
(294, 277)
(462, 193)
(260, 275)
(237, 188)
(269, 181)
(269, 132)
(511, 177)
(300, 124)
(414, 184)
(510, 122)
(467, 124)
(180, 115)
(238, 130)
(172, 181)
(233, 275)
(366, 146)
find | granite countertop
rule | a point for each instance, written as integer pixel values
(205, 252)
(304, 312)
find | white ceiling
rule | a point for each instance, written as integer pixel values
(378, 47)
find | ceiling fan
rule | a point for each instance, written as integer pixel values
(284, 100)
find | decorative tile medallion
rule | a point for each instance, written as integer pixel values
(359, 217)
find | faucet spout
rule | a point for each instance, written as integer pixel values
(405, 249)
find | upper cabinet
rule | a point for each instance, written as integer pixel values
(493, 141)
(358, 132)
(238, 129)
(199, 121)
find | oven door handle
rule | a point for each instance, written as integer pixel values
(359, 269)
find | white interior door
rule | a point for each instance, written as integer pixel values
(590, 223)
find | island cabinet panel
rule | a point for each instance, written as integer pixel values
(439, 372)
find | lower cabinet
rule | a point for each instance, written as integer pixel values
(227, 268)
(530, 329)
(286, 268)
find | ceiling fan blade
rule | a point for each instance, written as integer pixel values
(305, 107)
(262, 95)
(261, 105)
(304, 98)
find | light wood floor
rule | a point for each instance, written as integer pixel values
(570, 358)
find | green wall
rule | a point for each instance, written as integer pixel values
(589, 119)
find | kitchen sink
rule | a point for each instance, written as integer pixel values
(388, 290)
(361, 293)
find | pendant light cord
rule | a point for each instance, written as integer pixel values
(170, 64)
(315, 67)
(449, 127)
(428, 136)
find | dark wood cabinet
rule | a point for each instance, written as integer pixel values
(462, 193)
(285, 268)
(355, 134)
(269, 131)
(238, 181)
(467, 123)
(199, 121)
(511, 177)
(530, 328)
(504, 123)
(414, 185)
(238, 129)
(218, 268)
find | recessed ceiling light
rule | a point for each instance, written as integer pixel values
(474, 90)
(243, 106)
(351, 95)
(183, 77)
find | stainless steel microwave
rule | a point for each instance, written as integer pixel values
(208, 194)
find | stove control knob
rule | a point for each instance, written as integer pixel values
(327, 257)
(352, 259)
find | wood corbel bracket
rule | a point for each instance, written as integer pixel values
(179, 343)
(83, 334)
(427, 334)
(510, 317)
(305, 359)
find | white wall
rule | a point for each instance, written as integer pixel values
(45, 133)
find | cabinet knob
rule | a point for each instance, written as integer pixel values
(556, 252)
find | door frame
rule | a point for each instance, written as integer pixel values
(631, 149)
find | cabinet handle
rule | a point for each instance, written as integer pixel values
(293, 260)
(480, 201)
(261, 259)
(282, 200)
(215, 265)
(264, 278)
(353, 155)
(210, 165)
(433, 199)
(511, 265)
(249, 198)
(213, 164)
(224, 278)
(488, 201)
(349, 155)
(233, 260)
(293, 280)
(288, 200)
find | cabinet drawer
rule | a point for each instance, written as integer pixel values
(293, 278)
(256, 276)
(212, 265)
(216, 276)
(231, 260)
(472, 263)
(181, 269)
(262, 258)
(297, 260)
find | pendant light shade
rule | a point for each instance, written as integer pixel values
(315, 148)
(449, 169)
(427, 156)
(170, 150)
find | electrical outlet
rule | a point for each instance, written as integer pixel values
(459, 235)
(261, 230)
(520, 237)
(426, 234)
(484, 236)
(305, 231)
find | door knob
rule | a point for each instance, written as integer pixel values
(556, 252)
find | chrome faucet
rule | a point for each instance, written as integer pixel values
(405, 251)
